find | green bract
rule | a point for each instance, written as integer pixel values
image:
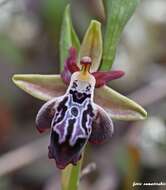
(92, 45)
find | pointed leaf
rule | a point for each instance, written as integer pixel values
(92, 44)
(118, 106)
(44, 87)
(68, 37)
(118, 13)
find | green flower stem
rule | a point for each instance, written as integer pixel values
(70, 176)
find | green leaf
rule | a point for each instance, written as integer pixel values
(71, 176)
(118, 106)
(43, 87)
(68, 37)
(118, 13)
(92, 44)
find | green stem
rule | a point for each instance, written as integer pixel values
(70, 176)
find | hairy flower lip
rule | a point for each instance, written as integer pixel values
(63, 153)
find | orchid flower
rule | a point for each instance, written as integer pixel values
(80, 105)
(79, 108)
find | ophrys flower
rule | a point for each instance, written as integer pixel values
(80, 113)
(74, 118)
(80, 106)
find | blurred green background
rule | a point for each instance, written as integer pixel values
(29, 43)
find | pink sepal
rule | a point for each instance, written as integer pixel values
(104, 77)
(70, 66)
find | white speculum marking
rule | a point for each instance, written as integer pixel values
(74, 116)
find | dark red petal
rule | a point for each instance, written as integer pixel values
(45, 115)
(70, 66)
(72, 60)
(103, 77)
(102, 127)
(64, 153)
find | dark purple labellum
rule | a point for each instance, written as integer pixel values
(64, 153)
(74, 119)
(70, 118)
(71, 124)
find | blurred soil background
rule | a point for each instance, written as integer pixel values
(29, 43)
